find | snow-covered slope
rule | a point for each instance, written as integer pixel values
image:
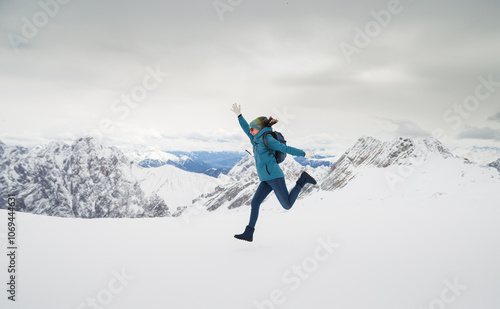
(416, 228)
(480, 155)
(177, 187)
(370, 152)
(352, 248)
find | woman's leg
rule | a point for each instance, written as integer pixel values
(279, 187)
(260, 195)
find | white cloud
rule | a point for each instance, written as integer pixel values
(485, 133)
(404, 128)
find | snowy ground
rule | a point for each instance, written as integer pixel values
(328, 252)
(426, 244)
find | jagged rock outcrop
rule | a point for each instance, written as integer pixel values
(82, 180)
(495, 164)
(372, 152)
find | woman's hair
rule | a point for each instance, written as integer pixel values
(271, 122)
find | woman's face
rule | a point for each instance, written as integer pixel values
(254, 131)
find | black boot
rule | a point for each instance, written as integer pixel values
(305, 178)
(247, 235)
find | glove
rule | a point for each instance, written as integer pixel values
(236, 109)
(309, 155)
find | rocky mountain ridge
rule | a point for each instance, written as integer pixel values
(82, 180)
(89, 180)
(374, 153)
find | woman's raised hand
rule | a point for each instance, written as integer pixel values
(236, 109)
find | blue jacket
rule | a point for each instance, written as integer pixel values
(267, 168)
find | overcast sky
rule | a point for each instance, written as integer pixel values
(165, 73)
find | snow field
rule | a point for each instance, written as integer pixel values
(385, 252)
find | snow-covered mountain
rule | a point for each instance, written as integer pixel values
(368, 159)
(243, 182)
(219, 160)
(189, 164)
(432, 241)
(139, 154)
(211, 163)
(205, 162)
(495, 164)
(480, 155)
(89, 180)
(175, 186)
(370, 152)
(84, 180)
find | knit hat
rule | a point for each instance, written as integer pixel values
(258, 123)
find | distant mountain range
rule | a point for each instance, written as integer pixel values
(480, 155)
(367, 152)
(211, 163)
(243, 181)
(205, 162)
(89, 180)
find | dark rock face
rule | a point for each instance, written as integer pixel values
(495, 164)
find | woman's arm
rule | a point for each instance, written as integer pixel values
(244, 125)
(275, 145)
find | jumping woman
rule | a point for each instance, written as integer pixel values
(270, 174)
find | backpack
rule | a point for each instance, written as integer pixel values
(278, 155)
